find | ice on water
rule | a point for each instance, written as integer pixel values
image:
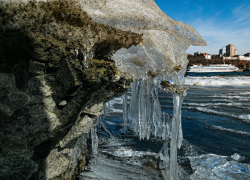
(161, 56)
(218, 81)
(215, 167)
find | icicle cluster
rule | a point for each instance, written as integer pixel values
(144, 113)
(146, 119)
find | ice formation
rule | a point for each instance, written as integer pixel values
(146, 119)
(76, 153)
(144, 114)
(218, 81)
(164, 40)
(213, 167)
(160, 58)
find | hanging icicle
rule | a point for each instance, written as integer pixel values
(94, 140)
(144, 112)
(125, 111)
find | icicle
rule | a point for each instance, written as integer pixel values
(175, 138)
(156, 114)
(164, 156)
(125, 111)
(105, 128)
(164, 133)
(134, 108)
(168, 125)
(149, 107)
(99, 122)
(104, 110)
(180, 136)
(94, 140)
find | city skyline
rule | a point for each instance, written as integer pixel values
(218, 22)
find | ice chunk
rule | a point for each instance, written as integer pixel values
(237, 157)
(164, 40)
(213, 167)
(111, 169)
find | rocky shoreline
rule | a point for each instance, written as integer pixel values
(52, 88)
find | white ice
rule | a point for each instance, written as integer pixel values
(215, 167)
(218, 81)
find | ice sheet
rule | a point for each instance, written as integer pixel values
(218, 81)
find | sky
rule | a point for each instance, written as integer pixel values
(219, 22)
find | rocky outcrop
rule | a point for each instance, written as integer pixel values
(55, 75)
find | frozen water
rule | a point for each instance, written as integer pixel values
(125, 152)
(76, 153)
(177, 137)
(94, 140)
(218, 81)
(115, 142)
(125, 110)
(162, 53)
(109, 169)
(144, 113)
(164, 40)
(237, 157)
(215, 167)
(164, 156)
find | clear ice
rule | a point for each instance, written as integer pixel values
(160, 58)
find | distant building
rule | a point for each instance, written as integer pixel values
(208, 56)
(235, 52)
(241, 58)
(247, 55)
(198, 53)
(214, 56)
(230, 50)
(222, 51)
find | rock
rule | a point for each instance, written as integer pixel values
(11, 97)
(63, 103)
(39, 67)
(36, 67)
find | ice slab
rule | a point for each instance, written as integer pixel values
(110, 169)
(215, 167)
(165, 41)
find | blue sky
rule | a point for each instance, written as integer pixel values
(219, 22)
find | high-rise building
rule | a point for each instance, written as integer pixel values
(235, 52)
(230, 50)
(222, 51)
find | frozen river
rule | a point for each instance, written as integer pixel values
(216, 129)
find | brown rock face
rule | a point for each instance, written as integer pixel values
(55, 75)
